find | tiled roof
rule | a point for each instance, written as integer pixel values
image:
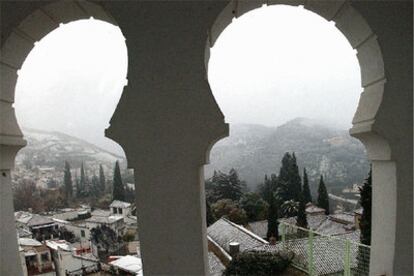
(336, 224)
(344, 217)
(30, 219)
(224, 231)
(314, 221)
(328, 252)
(215, 265)
(259, 228)
(37, 220)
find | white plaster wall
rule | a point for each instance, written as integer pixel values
(167, 118)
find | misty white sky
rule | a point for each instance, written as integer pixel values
(277, 63)
(269, 66)
(72, 81)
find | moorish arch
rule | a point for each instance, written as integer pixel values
(16, 44)
(361, 37)
(167, 119)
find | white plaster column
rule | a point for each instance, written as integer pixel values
(166, 122)
(9, 256)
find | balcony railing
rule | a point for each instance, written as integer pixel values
(319, 254)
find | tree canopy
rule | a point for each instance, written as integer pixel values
(323, 198)
(118, 192)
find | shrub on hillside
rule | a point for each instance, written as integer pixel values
(257, 263)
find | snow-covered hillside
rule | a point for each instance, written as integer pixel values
(52, 149)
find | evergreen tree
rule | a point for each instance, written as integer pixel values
(118, 187)
(209, 214)
(95, 186)
(365, 222)
(366, 203)
(272, 223)
(82, 182)
(290, 178)
(307, 197)
(323, 198)
(265, 190)
(226, 186)
(235, 184)
(254, 205)
(301, 220)
(102, 181)
(67, 181)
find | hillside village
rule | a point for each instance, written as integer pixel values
(63, 242)
(78, 217)
(281, 219)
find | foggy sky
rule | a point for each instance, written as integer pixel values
(277, 63)
(269, 66)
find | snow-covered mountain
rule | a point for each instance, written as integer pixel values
(255, 150)
(52, 149)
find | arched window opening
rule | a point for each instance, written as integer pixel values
(288, 82)
(69, 173)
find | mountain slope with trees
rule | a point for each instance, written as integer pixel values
(255, 150)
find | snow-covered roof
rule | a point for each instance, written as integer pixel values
(343, 217)
(60, 221)
(331, 227)
(29, 242)
(120, 204)
(224, 232)
(329, 253)
(23, 232)
(216, 267)
(314, 221)
(23, 217)
(335, 224)
(359, 211)
(31, 219)
(101, 213)
(129, 263)
(56, 244)
(104, 220)
(311, 209)
(259, 228)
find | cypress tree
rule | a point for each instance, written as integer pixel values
(82, 182)
(266, 189)
(307, 197)
(365, 222)
(301, 220)
(296, 180)
(290, 178)
(272, 223)
(366, 203)
(102, 180)
(323, 198)
(96, 189)
(118, 188)
(67, 180)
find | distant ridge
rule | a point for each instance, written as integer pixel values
(53, 148)
(57, 133)
(255, 150)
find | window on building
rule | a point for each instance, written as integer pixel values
(119, 210)
(44, 257)
(82, 233)
(114, 210)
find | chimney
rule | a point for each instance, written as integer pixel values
(234, 248)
